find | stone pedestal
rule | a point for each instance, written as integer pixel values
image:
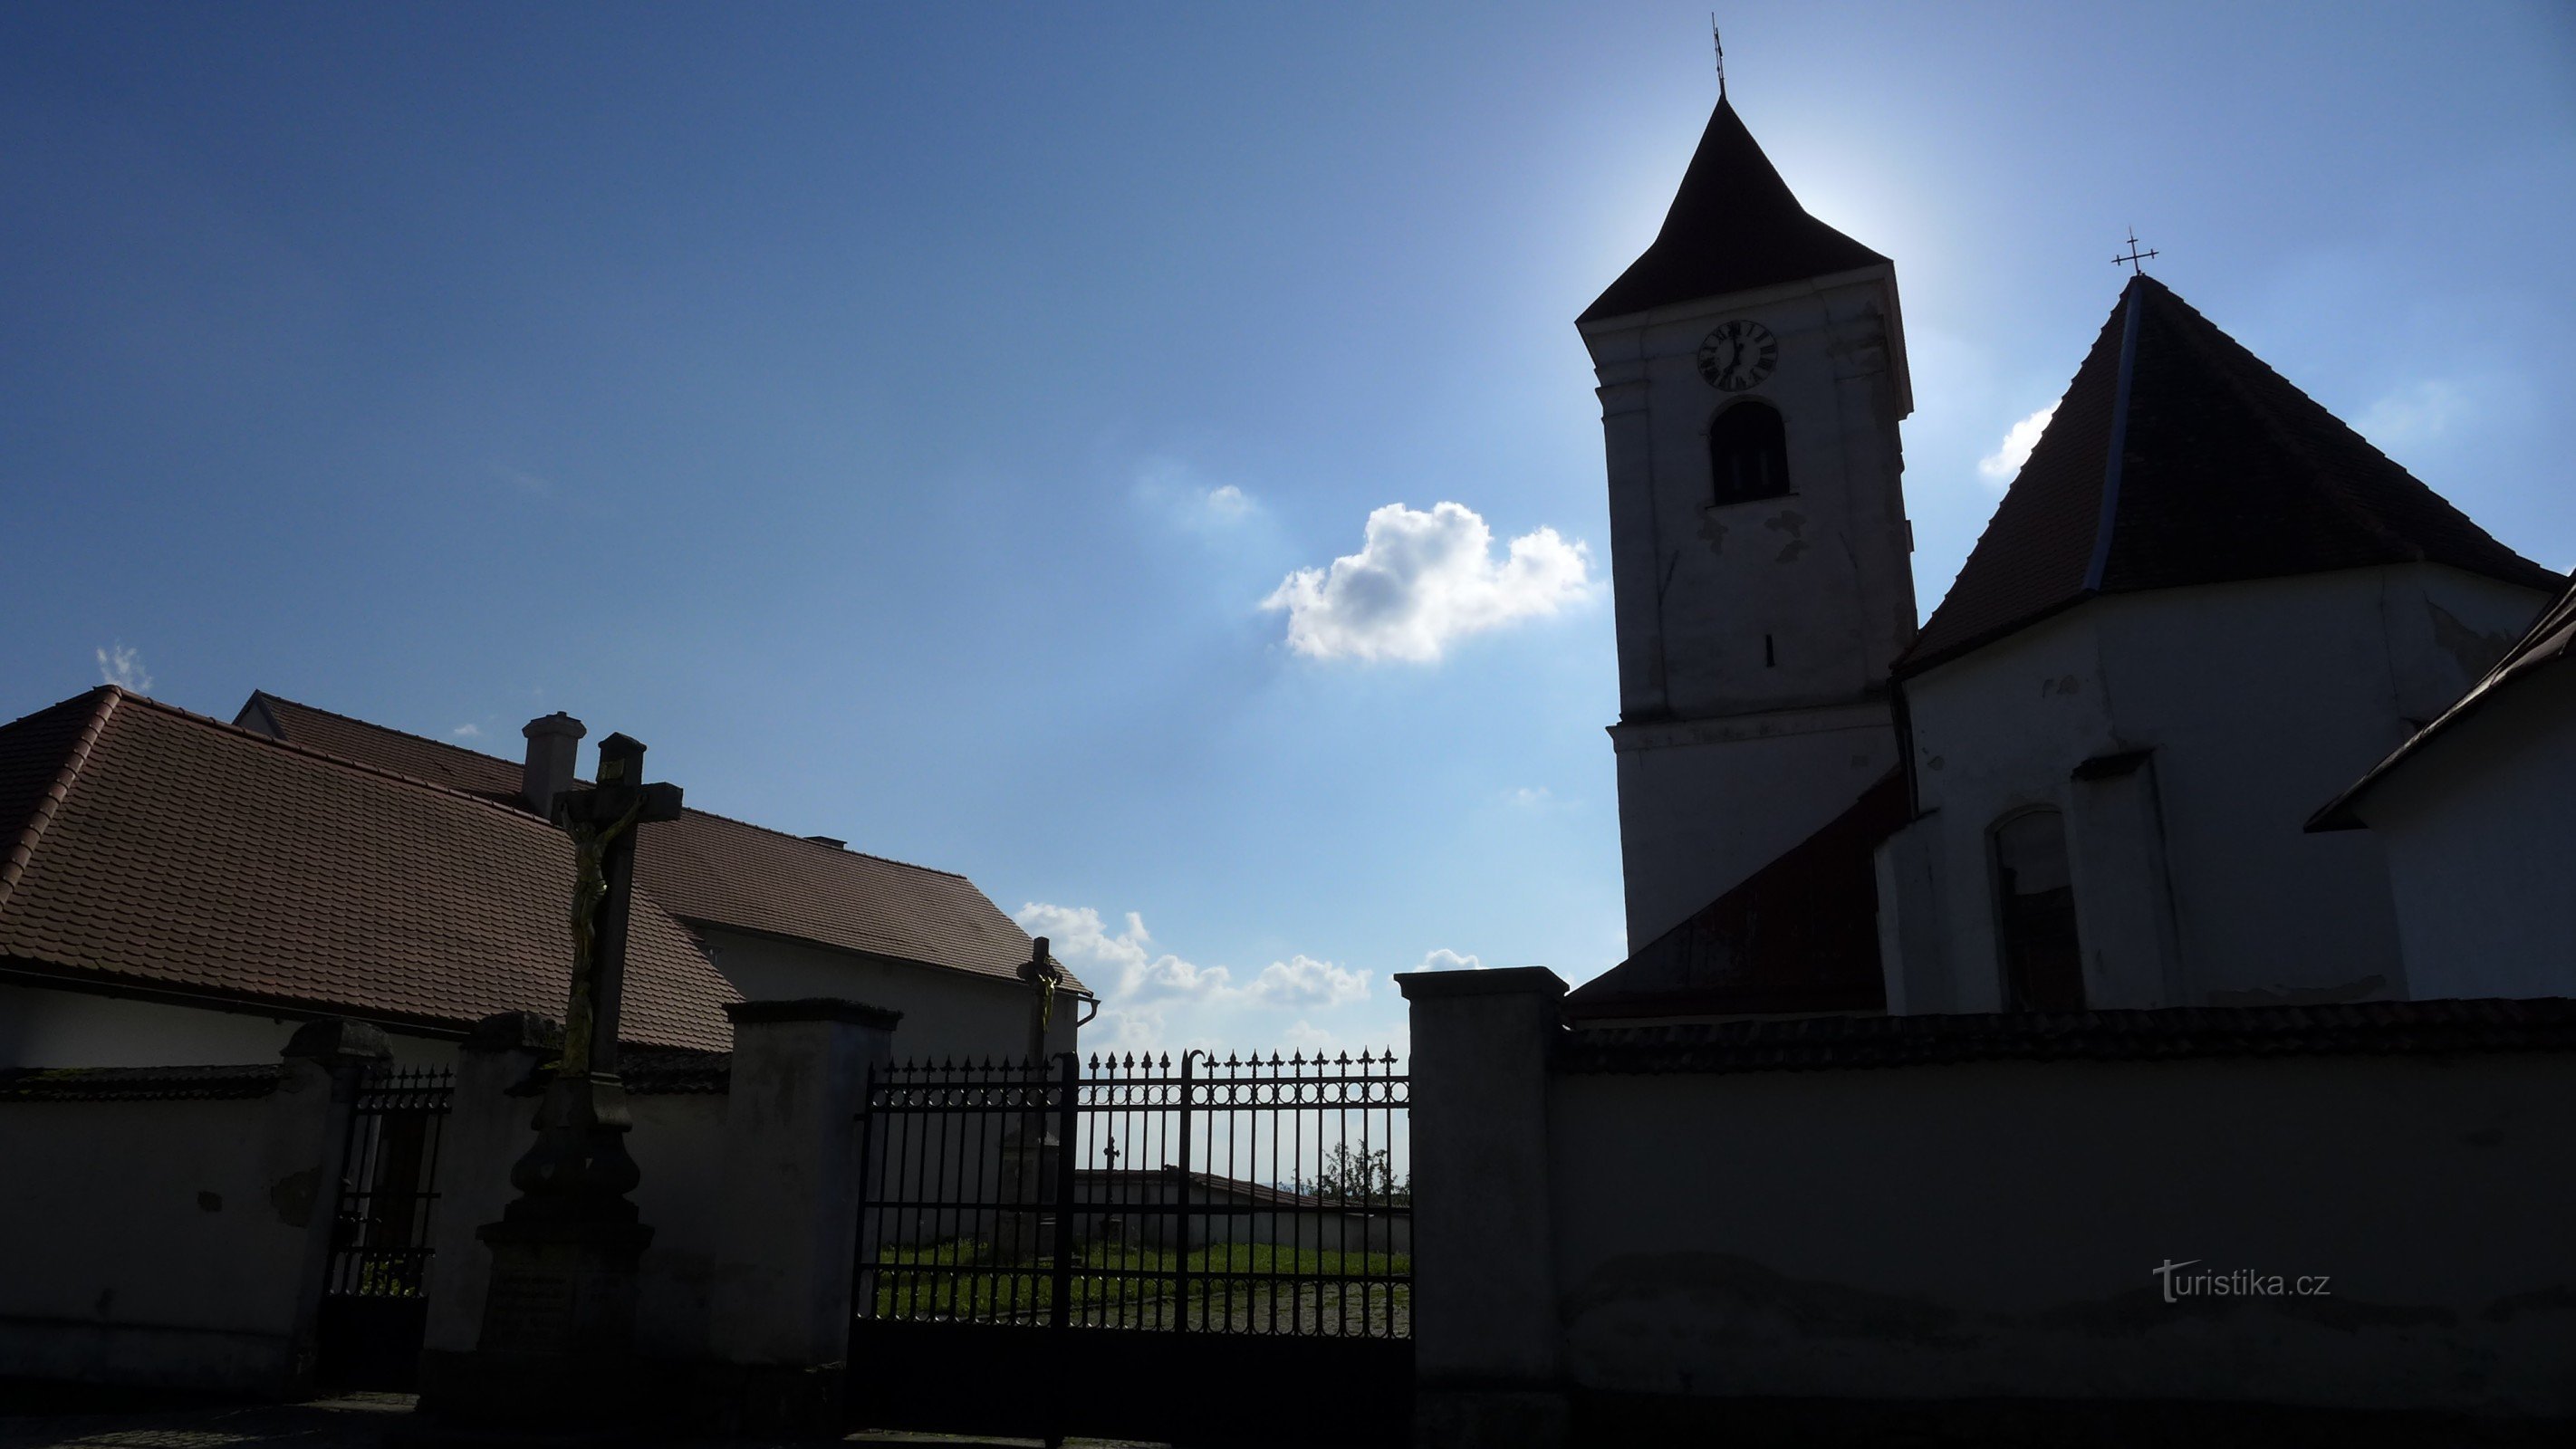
(1024, 1230)
(554, 1362)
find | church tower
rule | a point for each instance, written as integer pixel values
(1752, 373)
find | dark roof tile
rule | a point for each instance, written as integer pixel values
(1734, 225)
(191, 855)
(1798, 935)
(720, 872)
(2222, 471)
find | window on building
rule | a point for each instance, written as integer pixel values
(2043, 965)
(1748, 453)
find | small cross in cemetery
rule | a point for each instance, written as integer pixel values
(2134, 255)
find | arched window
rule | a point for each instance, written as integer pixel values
(1748, 453)
(2035, 913)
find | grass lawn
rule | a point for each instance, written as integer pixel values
(1237, 1287)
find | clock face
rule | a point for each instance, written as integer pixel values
(1736, 355)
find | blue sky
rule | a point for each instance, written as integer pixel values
(915, 425)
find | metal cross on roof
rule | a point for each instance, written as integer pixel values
(2134, 254)
(1714, 40)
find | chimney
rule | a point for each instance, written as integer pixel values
(554, 744)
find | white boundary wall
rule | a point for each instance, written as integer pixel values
(1654, 1220)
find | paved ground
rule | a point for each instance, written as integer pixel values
(34, 1417)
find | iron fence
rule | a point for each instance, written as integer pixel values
(1248, 1196)
(389, 1184)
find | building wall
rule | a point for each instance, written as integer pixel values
(945, 1013)
(1776, 607)
(42, 1026)
(1703, 805)
(678, 1146)
(171, 1243)
(1992, 1231)
(2478, 831)
(2258, 701)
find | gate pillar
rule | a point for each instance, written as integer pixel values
(780, 1319)
(1487, 1357)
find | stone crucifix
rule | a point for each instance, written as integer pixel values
(556, 1347)
(602, 825)
(579, 1153)
(1043, 976)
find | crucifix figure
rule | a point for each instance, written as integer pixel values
(602, 825)
(1041, 972)
(579, 1151)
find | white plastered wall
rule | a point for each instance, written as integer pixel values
(1777, 617)
(945, 1013)
(2479, 831)
(2258, 701)
(43, 1026)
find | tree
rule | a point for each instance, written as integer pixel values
(1363, 1177)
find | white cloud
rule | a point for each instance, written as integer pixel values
(1305, 981)
(2416, 413)
(1529, 797)
(1117, 1030)
(2000, 465)
(467, 732)
(1083, 941)
(1226, 503)
(1423, 580)
(1124, 964)
(1306, 1036)
(119, 665)
(1445, 959)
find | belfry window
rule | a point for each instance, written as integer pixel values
(1748, 453)
(2035, 914)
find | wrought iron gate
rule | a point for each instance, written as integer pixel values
(1218, 1254)
(374, 1306)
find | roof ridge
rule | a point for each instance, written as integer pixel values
(343, 761)
(833, 849)
(2106, 526)
(23, 849)
(388, 729)
(497, 759)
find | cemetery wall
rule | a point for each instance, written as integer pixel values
(1996, 1230)
(174, 1236)
(2354, 1211)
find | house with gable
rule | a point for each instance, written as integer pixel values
(274, 997)
(179, 890)
(2204, 608)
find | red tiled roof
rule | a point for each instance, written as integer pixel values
(1798, 935)
(1734, 225)
(174, 851)
(2370, 1028)
(2177, 457)
(714, 871)
(2550, 640)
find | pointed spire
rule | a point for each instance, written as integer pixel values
(1734, 225)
